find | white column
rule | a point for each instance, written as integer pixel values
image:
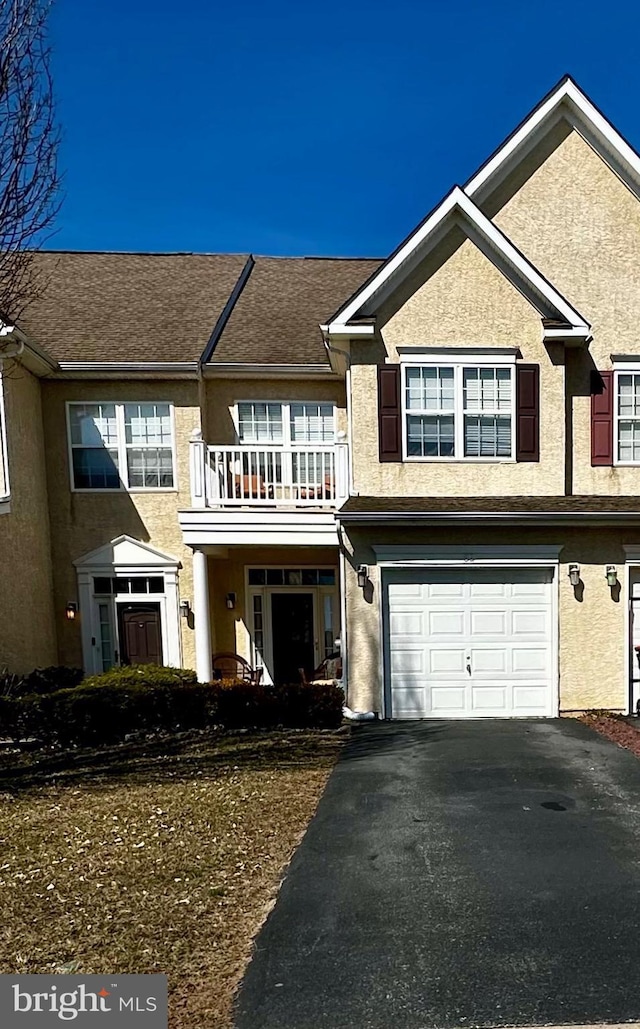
(342, 469)
(198, 469)
(201, 620)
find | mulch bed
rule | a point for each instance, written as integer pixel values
(617, 729)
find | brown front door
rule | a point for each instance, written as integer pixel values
(140, 634)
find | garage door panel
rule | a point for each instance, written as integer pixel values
(490, 698)
(469, 642)
(446, 662)
(449, 700)
(528, 623)
(446, 623)
(407, 623)
(488, 661)
(488, 623)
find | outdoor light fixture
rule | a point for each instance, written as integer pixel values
(574, 574)
(612, 575)
(71, 611)
(185, 608)
(231, 601)
(363, 575)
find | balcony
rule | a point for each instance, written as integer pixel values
(268, 476)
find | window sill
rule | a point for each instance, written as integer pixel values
(459, 460)
(128, 492)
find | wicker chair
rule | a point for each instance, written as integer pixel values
(227, 665)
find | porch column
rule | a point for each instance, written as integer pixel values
(201, 619)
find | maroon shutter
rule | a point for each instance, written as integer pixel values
(527, 412)
(601, 418)
(389, 416)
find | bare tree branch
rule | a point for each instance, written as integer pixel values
(29, 139)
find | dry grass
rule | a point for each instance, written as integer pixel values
(162, 858)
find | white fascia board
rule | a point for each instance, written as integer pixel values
(585, 113)
(267, 371)
(458, 201)
(129, 367)
(337, 329)
(459, 355)
(398, 555)
(391, 518)
(253, 528)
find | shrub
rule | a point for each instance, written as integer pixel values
(309, 705)
(56, 677)
(146, 698)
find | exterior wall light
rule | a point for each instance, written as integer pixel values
(574, 574)
(71, 611)
(612, 575)
(230, 601)
(185, 608)
(363, 575)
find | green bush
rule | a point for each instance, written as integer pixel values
(41, 680)
(142, 699)
(309, 705)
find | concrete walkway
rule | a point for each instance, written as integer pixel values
(480, 873)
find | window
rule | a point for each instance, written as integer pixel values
(458, 411)
(282, 423)
(121, 446)
(292, 576)
(628, 417)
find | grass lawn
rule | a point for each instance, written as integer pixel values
(156, 858)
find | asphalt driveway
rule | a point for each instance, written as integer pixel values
(460, 874)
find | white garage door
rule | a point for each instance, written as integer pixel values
(469, 643)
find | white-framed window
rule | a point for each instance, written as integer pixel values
(279, 422)
(627, 417)
(121, 446)
(458, 411)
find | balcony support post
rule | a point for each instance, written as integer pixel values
(197, 469)
(341, 470)
(201, 615)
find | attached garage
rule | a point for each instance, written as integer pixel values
(469, 642)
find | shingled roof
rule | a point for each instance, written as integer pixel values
(122, 307)
(277, 316)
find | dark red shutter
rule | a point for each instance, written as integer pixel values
(389, 416)
(527, 412)
(601, 418)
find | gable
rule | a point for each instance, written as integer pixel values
(580, 224)
(126, 552)
(461, 300)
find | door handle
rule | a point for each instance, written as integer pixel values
(469, 666)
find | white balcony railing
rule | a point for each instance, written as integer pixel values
(248, 475)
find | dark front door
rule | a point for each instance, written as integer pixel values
(292, 633)
(140, 634)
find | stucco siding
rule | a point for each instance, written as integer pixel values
(27, 623)
(222, 394)
(580, 225)
(591, 619)
(464, 302)
(81, 522)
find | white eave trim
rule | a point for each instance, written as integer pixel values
(119, 368)
(458, 202)
(585, 113)
(477, 517)
(242, 371)
(415, 556)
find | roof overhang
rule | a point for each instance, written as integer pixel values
(267, 371)
(457, 209)
(530, 518)
(16, 345)
(130, 369)
(565, 101)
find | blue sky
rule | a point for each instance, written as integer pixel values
(295, 128)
